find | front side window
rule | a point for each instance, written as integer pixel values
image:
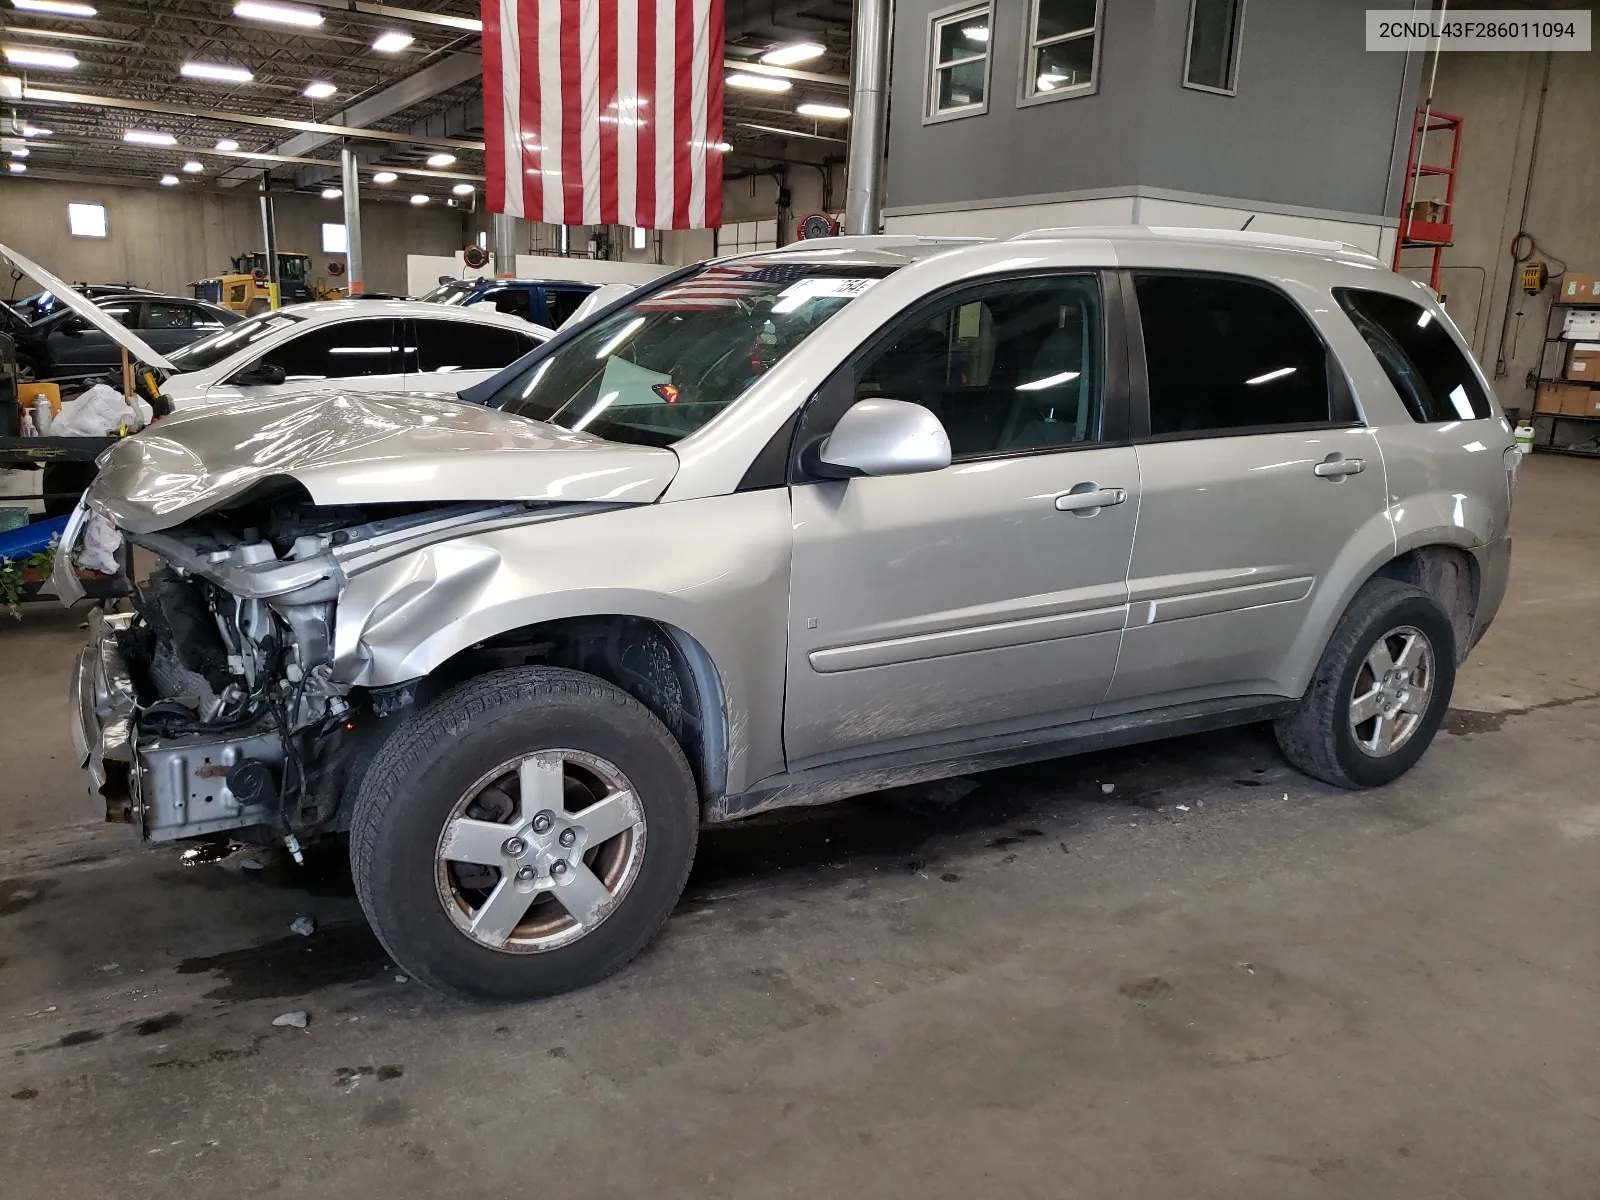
(169, 316)
(662, 367)
(462, 346)
(1417, 353)
(1007, 367)
(1061, 49)
(1225, 355)
(958, 78)
(1212, 61)
(209, 351)
(347, 350)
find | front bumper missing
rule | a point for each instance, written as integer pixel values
(102, 705)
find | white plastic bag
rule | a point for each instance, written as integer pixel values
(101, 541)
(100, 411)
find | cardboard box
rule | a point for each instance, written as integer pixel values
(1583, 364)
(1553, 398)
(1578, 288)
(1587, 405)
(1581, 325)
(1427, 210)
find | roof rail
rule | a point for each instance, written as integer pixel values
(1237, 237)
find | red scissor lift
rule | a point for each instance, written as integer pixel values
(1415, 231)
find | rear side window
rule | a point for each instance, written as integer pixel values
(462, 346)
(562, 303)
(348, 350)
(1226, 354)
(1417, 353)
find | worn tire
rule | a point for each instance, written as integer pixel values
(1316, 737)
(422, 771)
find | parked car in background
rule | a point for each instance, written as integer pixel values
(72, 345)
(42, 304)
(785, 528)
(544, 302)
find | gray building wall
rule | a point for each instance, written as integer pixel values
(1312, 126)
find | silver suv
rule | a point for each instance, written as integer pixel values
(785, 528)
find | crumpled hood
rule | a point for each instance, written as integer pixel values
(364, 448)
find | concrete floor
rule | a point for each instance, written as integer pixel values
(1219, 980)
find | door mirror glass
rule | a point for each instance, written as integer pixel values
(883, 437)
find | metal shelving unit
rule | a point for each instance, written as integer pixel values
(1584, 441)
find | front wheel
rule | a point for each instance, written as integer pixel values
(524, 835)
(1380, 691)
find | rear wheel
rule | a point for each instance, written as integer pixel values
(1380, 691)
(526, 834)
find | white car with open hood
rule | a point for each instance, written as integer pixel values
(351, 346)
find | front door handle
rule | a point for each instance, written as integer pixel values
(1086, 499)
(1337, 466)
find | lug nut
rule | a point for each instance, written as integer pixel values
(525, 873)
(568, 836)
(513, 847)
(559, 867)
(542, 823)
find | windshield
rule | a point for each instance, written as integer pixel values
(450, 293)
(291, 266)
(661, 368)
(209, 351)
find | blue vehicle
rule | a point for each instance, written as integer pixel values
(542, 301)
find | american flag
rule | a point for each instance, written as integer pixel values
(604, 112)
(715, 287)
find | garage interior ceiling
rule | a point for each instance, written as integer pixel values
(130, 54)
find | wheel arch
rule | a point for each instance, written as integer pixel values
(1451, 575)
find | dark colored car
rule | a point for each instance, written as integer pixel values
(66, 344)
(44, 304)
(544, 302)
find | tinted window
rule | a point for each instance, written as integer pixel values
(513, 301)
(126, 312)
(1419, 356)
(1006, 367)
(212, 349)
(347, 350)
(562, 303)
(462, 346)
(169, 316)
(1228, 354)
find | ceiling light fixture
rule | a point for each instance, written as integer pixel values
(975, 33)
(795, 52)
(331, 193)
(26, 56)
(319, 90)
(441, 160)
(57, 8)
(147, 137)
(227, 145)
(392, 42)
(463, 189)
(385, 177)
(758, 83)
(34, 131)
(19, 152)
(419, 198)
(217, 71)
(278, 14)
(169, 181)
(824, 112)
(17, 168)
(193, 167)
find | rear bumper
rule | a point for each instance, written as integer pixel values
(1494, 574)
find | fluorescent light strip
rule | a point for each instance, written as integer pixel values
(758, 83)
(146, 137)
(58, 8)
(319, 90)
(392, 42)
(824, 112)
(795, 52)
(26, 56)
(220, 72)
(278, 14)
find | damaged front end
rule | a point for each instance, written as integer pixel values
(211, 707)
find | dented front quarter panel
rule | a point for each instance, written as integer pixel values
(715, 568)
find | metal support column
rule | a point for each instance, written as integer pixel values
(869, 102)
(505, 246)
(354, 267)
(269, 234)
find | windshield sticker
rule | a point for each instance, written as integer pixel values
(796, 294)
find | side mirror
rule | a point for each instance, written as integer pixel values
(883, 437)
(262, 374)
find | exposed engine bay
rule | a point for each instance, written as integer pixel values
(234, 722)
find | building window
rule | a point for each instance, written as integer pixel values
(958, 54)
(1212, 61)
(333, 239)
(87, 220)
(1062, 50)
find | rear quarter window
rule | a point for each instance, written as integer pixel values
(1434, 378)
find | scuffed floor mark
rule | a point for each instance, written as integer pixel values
(1464, 722)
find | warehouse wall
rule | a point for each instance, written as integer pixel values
(166, 238)
(1499, 96)
(1312, 127)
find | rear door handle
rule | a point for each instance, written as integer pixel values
(1089, 498)
(1337, 467)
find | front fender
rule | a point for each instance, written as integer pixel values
(716, 568)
